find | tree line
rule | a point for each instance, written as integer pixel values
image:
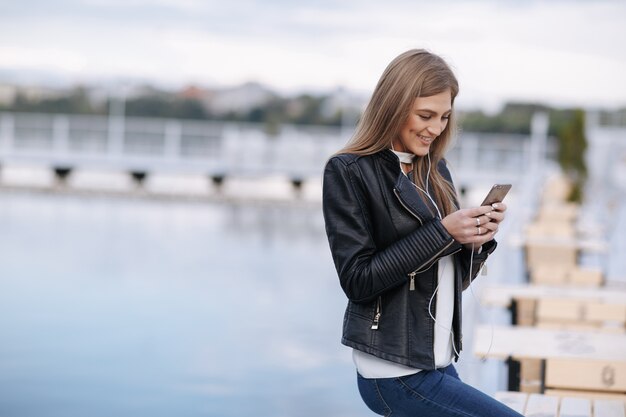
(302, 109)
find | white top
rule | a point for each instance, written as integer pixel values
(370, 366)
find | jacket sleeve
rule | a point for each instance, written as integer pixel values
(477, 261)
(364, 270)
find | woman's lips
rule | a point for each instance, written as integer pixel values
(425, 139)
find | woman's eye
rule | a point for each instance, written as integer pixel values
(424, 117)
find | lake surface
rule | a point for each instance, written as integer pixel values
(130, 307)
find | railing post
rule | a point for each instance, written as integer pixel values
(117, 126)
(7, 132)
(172, 139)
(60, 134)
(536, 154)
(469, 153)
(538, 141)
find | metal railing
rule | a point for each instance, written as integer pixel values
(131, 144)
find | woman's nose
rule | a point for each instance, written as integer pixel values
(435, 129)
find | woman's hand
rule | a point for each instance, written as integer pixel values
(475, 226)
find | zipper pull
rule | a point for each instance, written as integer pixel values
(377, 316)
(412, 282)
(375, 323)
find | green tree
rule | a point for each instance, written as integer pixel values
(571, 152)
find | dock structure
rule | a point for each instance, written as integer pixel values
(566, 405)
(568, 321)
(211, 159)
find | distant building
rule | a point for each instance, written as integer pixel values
(349, 104)
(239, 99)
(7, 94)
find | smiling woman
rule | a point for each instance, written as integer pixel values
(403, 249)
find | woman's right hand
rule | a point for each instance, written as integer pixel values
(464, 225)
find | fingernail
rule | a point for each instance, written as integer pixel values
(495, 206)
(488, 214)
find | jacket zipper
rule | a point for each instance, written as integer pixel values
(429, 263)
(431, 260)
(395, 191)
(379, 312)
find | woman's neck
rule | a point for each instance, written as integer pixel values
(406, 160)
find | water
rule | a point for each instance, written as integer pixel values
(131, 307)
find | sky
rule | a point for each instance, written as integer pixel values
(559, 52)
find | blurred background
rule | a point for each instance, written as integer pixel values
(162, 248)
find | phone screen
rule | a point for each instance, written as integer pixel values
(496, 194)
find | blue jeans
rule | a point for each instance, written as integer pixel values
(437, 393)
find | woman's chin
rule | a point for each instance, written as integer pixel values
(421, 151)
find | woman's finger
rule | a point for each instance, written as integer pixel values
(476, 211)
(496, 216)
(490, 227)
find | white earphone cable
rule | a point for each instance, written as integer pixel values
(483, 358)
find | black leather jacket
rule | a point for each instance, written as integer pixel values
(385, 241)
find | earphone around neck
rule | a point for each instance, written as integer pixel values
(425, 191)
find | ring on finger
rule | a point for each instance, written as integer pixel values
(478, 230)
(477, 221)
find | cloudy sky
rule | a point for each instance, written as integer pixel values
(563, 52)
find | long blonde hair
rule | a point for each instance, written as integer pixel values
(415, 73)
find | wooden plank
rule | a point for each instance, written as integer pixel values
(585, 276)
(587, 244)
(608, 408)
(541, 406)
(592, 395)
(555, 190)
(529, 342)
(531, 375)
(502, 295)
(549, 274)
(531, 369)
(550, 230)
(561, 309)
(604, 312)
(575, 407)
(525, 311)
(514, 400)
(553, 254)
(586, 374)
(530, 387)
(551, 214)
(568, 325)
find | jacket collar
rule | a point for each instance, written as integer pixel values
(406, 191)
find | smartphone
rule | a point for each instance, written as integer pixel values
(496, 194)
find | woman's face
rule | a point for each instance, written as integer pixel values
(428, 118)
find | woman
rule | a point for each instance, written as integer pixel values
(403, 249)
